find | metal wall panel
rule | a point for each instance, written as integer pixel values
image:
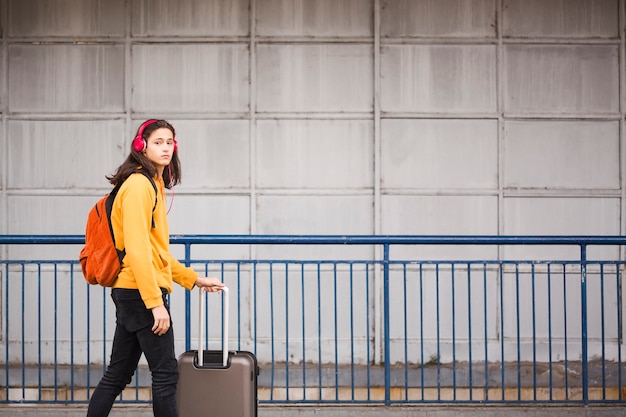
(440, 215)
(433, 215)
(306, 214)
(215, 154)
(190, 78)
(48, 154)
(314, 78)
(438, 18)
(569, 19)
(316, 214)
(438, 78)
(438, 154)
(562, 154)
(581, 79)
(66, 78)
(310, 154)
(222, 214)
(334, 18)
(579, 215)
(48, 214)
(562, 216)
(66, 18)
(190, 18)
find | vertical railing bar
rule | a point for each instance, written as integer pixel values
(386, 321)
(304, 359)
(618, 290)
(583, 295)
(453, 300)
(239, 291)
(602, 324)
(203, 323)
(486, 330)
(254, 314)
(534, 327)
(187, 262)
(286, 331)
(55, 338)
(23, 331)
(549, 291)
(222, 265)
(72, 386)
(406, 347)
(518, 333)
(352, 382)
(367, 332)
(438, 320)
(421, 322)
(39, 388)
(502, 368)
(336, 334)
(271, 265)
(206, 303)
(469, 329)
(6, 330)
(565, 331)
(319, 331)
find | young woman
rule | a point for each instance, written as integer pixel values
(148, 271)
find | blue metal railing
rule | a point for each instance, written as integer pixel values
(384, 325)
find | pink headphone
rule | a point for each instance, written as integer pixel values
(139, 144)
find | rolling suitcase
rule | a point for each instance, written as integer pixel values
(217, 383)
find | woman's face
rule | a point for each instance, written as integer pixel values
(160, 147)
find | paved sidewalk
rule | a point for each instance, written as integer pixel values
(347, 411)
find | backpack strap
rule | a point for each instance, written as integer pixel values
(109, 209)
(156, 195)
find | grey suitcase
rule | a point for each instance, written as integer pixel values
(219, 383)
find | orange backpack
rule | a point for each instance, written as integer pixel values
(99, 259)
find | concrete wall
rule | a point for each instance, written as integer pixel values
(322, 116)
(444, 117)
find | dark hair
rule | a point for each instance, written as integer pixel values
(137, 161)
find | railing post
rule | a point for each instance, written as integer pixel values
(583, 308)
(187, 301)
(387, 336)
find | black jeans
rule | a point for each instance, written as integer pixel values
(133, 336)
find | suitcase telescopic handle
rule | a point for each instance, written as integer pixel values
(201, 328)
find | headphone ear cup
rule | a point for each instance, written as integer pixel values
(139, 144)
(175, 145)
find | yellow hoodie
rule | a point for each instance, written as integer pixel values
(148, 265)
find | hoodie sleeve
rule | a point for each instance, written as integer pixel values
(182, 275)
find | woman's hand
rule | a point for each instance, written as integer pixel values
(161, 320)
(209, 284)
